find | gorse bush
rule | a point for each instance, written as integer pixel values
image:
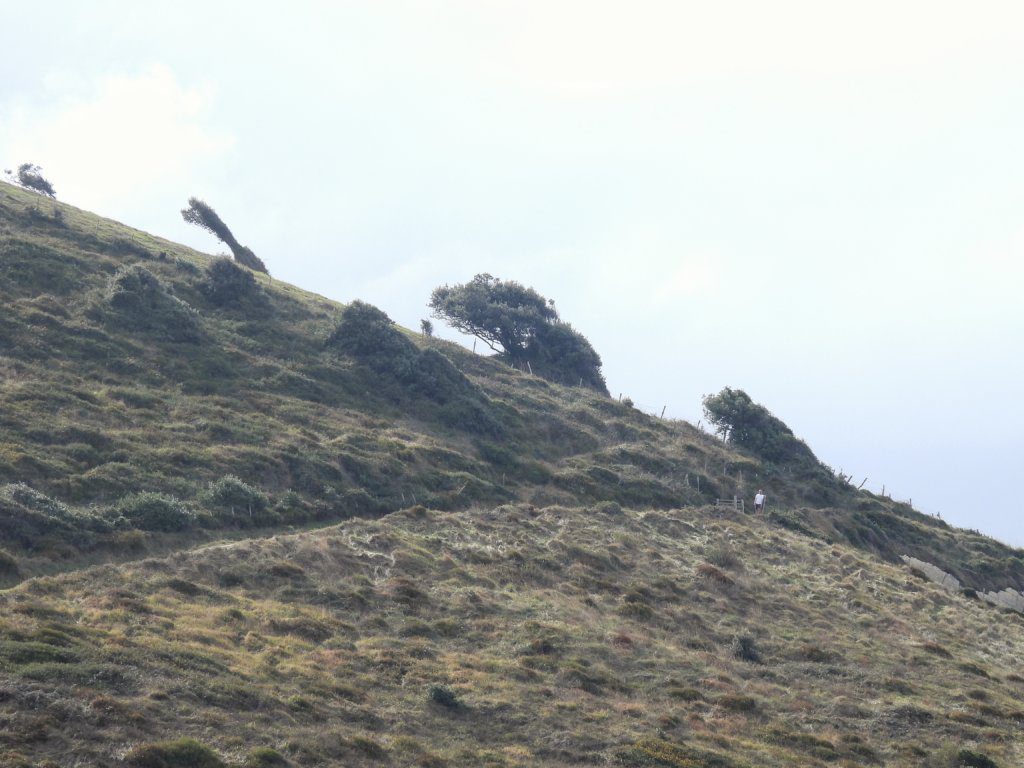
(371, 337)
(745, 648)
(183, 753)
(231, 496)
(443, 696)
(136, 298)
(28, 517)
(229, 286)
(265, 757)
(560, 353)
(155, 512)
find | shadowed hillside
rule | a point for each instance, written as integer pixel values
(314, 532)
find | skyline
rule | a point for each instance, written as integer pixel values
(820, 207)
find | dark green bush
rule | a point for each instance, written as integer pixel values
(28, 517)
(744, 648)
(150, 511)
(369, 335)
(560, 353)
(523, 326)
(750, 425)
(230, 496)
(230, 286)
(444, 696)
(8, 565)
(969, 759)
(137, 299)
(265, 757)
(183, 753)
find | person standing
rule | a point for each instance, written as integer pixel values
(759, 501)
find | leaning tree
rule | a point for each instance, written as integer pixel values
(202, 215)
(30, 176)
(520, 325)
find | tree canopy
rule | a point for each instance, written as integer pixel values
(522, 326)
(202, 215)
(741, 421)
(30, 176)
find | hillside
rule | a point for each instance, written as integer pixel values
(218, 522)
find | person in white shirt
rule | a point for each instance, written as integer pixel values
(759, 501)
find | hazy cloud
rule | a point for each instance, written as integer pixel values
(116, 138)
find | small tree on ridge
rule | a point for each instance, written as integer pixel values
(202, 215)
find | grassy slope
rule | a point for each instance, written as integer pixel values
(570, 636)
(92, 410)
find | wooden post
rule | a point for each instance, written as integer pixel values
(663, 411)
(474, 345)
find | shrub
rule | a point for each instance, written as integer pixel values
(724, 556)
(183, 753)
(265, 757)
(229, 286)
(734, 702)
(8, 565)
(369, 335)
(155, 512)
(142, 302)
(444, 696)
(426, 327)
(969, 759)
(610, 508)
(231, 495)
(743, 647)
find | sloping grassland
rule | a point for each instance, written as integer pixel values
(217, 525)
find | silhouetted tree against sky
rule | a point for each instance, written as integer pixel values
(30, 176)
(522, 326)
(202, 215)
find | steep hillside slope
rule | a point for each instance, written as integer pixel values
(129, 365)
(225, 516)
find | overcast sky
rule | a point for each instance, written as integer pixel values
(818, 202)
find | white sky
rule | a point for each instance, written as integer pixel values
(818, 202)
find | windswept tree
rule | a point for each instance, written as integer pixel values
(202, 215)
(30, 176)
(520, 325)
(744, 423)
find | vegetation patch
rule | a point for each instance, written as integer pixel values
(183, 753)
(658, 752)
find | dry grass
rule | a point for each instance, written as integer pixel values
(331, 647)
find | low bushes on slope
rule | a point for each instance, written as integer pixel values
(371, 337)
(183, 753)
(154, 512)
(137, 299)
(229, 286)
(30, 518)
